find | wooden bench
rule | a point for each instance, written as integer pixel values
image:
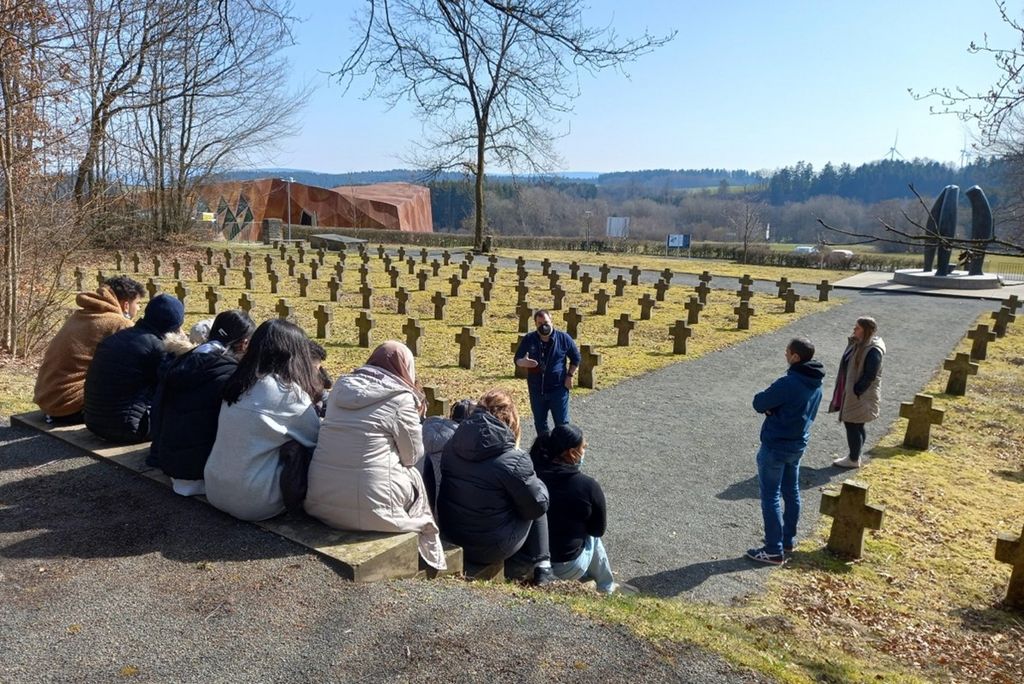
(357, 556)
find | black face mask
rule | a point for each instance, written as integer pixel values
(544, 329)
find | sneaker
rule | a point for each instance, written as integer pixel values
(846, 462)
(542, 576)
(762, 556)
(624, 589)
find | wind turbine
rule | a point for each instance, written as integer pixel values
(893, 152)
(963, 153)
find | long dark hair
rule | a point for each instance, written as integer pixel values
(280, 348)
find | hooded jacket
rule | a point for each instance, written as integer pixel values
(60, 385)
(363, 474)
(790, 405)
(577, 510)
(490, 493)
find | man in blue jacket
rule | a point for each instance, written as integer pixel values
(551, 359)
(789, 407)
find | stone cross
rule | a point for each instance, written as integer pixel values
(100, 279)
(783, 284)
(920, 417)
(1010, 549)
(492, 271)
(679, 333)
(1002, 318)
(282, 309)
(468, 256)
(693, 308)
(209, 256)
(321, 254)
(959, 368)
(479, 307)
(176, 269)
(573, 318)
(823, 289)
(634, 275)
(521, 273)
(402, 300)
(314, 267)
(291, 266)
(283, 251)
(791, 298)
(247, 259)
(222, 275)
(520, 371)
(660, 288)
(79, 277)
(156, 266)
(245, 302)
(386, 260)
(520, 263)
(522, 290)
(380, 251)
(436, 406)
(413, 332)
(401, 253)
(199, 271)
(702, 291)
(624, 324)
(435, 267)
(493, 259)
(212, 300)
(342, 256)
(467, 340)
(745, 293)
(367, 293)
(486, 285)
(323, 317)
(339, 271)
(574, 270)
(393, 275)
(302, 253)
(666, 275)
(439, 301)
(303, 282)
(705, 277)
(558, 295)
(1012, 303)
(410, 264)
(585, 281)
(744, 311)
(274, 279)
(589, 360)
(364, 275)
(446, 256)
(464, 269)
(455, 282)
(545, 266)
(269, 262)
(118, 258)
(620, 285)
(746, 280)
(525, 313)
(646, 305)
(981, 336)
(553, 278)
(602, 298)
(247, 278)
(365, 323)
(423, 255)
(363, 256)
(227, 258)
(151, 288)
(422, 278)
(851, 515)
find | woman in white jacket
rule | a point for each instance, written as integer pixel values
(266, 403)
(363, 475)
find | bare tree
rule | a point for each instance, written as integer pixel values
(747, 219)
(489, 77)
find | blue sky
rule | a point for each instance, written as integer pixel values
(745, 84)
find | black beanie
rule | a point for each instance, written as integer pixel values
(563, 438)
(164, 314)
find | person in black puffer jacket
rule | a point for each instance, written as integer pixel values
(491, 502)
(122, 377)
(188, 400)
(577, 516)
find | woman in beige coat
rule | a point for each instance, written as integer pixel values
(363, 474)
(858, 387)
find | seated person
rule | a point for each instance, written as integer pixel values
(437, 430)
(122, 377)
(60, 385)
(363, 474)
(267, 402)
(576, 516)
(188, 399)
(491, 502)
(319, 356)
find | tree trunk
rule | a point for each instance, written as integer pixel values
(478, 231)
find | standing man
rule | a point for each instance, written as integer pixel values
(551, 359)
(789, 407)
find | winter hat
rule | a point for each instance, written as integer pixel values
(164, 314)
(563, 438)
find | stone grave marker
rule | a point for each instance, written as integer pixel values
(282, 250)
(702, 291)
(401, 253)
(274, 280)
(624, 324)
(301, 251)
(332, 289)
(1010, 549)
(314, 268)
(791, 298)
(303, 282)
(291, 266)
(118, 259)
(268, 261)
(823, 289)
(422, 278)
(634, 275)
(679, 333)
(79, 277)
(646, 306)
(436, 406)
(282, 309)
(467, 340)
(410, 264)
(486, 285)
(100, 279)
(365, 323)
(464, 268)
(380, 251)
(393, 275)
(553, 278)
(920, 417)
(402, 300)
(851, 515)
(135, 262)
(440, 302)
(247, 259)
(455, 282)
(435, 267)
(321, 254)
(520, 372)
(364, 275)
(601, 299)
(446, 256)
(209, 256)
(604, 271)
(585, 280)
(364, 257)
(746, 280)
(479, 307)
(660, 288)
(413, 332)
(979, 347)
(959, 368)
(545, 267)
(339, 271)
(558, 297)
(520, 263)
(212, 300)
(522, 291)
(222, 275)
(745, 293)
(573, 318)
(247, 278)
(423, 255)
(666, 275)
(693, 308)
(342, 256)
(783, 284)
(227, 258)
(492, 271)
(1002, 318)
(199, 271)
(589, 360)
(705, 277)
(245, 302)
(323, 317)
(574, 270)
(151, 288)
(176, 269)
(744, 311)
(525, 313)
(386, 260)
(1012, 303)
(367, 294)
(620, 285)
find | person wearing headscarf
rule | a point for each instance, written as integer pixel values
(363, 475)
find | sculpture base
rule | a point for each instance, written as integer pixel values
(957, 280)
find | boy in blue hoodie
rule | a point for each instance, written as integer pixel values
(789, 407)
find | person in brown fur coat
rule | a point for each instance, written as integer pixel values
(60, 385)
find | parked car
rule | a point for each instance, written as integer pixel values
(805, 249)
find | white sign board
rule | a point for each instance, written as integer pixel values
(618, 227)
(682, 241)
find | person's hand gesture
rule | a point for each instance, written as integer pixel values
(568, 381)
(527, 362)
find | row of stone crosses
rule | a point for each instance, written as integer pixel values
(851, 513)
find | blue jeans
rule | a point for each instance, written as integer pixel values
(591, 563)
(556, 401)
(779, 476)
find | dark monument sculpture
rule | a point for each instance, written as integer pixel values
(982, 227)
(941, 224)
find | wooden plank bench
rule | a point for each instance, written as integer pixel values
(358, 556)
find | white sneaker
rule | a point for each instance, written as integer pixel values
(623, 589)
(846, 462)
